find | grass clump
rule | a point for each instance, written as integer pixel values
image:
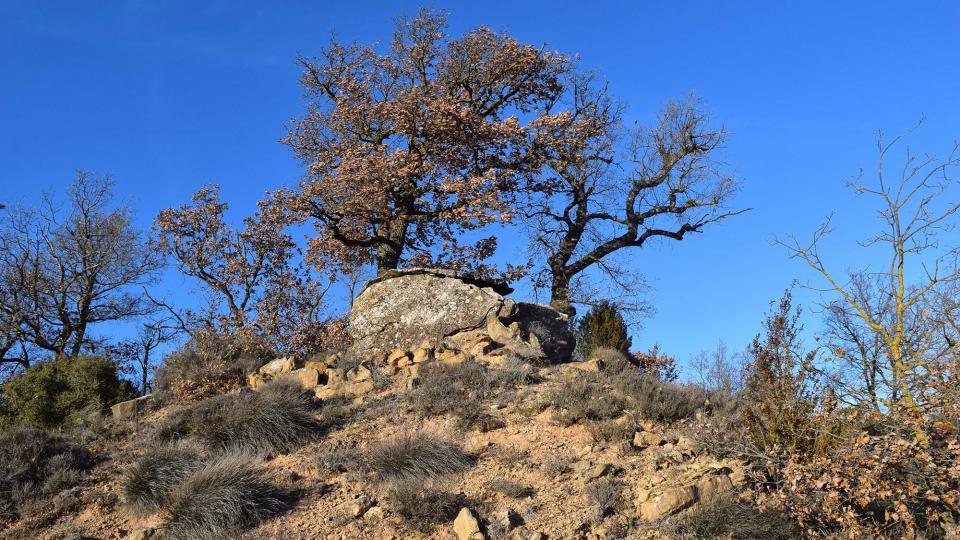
(461, 389)
(512, 489)
(413, 465)
(732, 519)
(423, 507)
(34, 464)
(587, 398)
(280, 417)
(416, 456)
(150, 482)
(224, 497)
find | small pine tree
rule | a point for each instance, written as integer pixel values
(602, 326)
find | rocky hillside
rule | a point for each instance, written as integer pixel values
(457, 415)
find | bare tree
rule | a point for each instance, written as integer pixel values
(597, 196)
(880, 327)
(64, 271)
(139, 352)
(720, 371)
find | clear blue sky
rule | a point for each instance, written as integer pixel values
(169, 95)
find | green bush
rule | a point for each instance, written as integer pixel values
(602, 326)
(54, 392)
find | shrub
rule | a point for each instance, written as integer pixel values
(661, 401)
(586, 398)
(605, 495)
(54, 392)
(609, 431)
(886, 484)
(337, 460)
(730, 518)
(557, 464)
(780, 401)
(226, 496)
(280, 417)
(210, 364)
(150, 482)
(602, 326)
(424, 505)
(418, 456)
(511, 489)
(459, 390)
(34, 463)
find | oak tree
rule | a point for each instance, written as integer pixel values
(253, 277)
(604, 188)
(407, 148)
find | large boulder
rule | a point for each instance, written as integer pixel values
(425, 309)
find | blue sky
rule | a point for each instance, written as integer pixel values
(170, 95)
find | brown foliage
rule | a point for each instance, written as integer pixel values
(252, 275)
(405, 148)
(209, 364)
(885, 484)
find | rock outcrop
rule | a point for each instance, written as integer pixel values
(425, 311)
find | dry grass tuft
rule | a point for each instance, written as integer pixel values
(418, 456)
(280, 417)
(226, 496)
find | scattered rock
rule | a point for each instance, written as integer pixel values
(466, 526)
(360, 507)
(307, 377)
(398, 358)
(713, 486)
(422, 354)
(597, 471)
(667, 503)
(277, 367)
(359, 374)
(508, 519)
(646, 439)
(256, 380)
(133, 406)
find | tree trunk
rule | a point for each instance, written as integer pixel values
(388, 258)
(560, 295)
